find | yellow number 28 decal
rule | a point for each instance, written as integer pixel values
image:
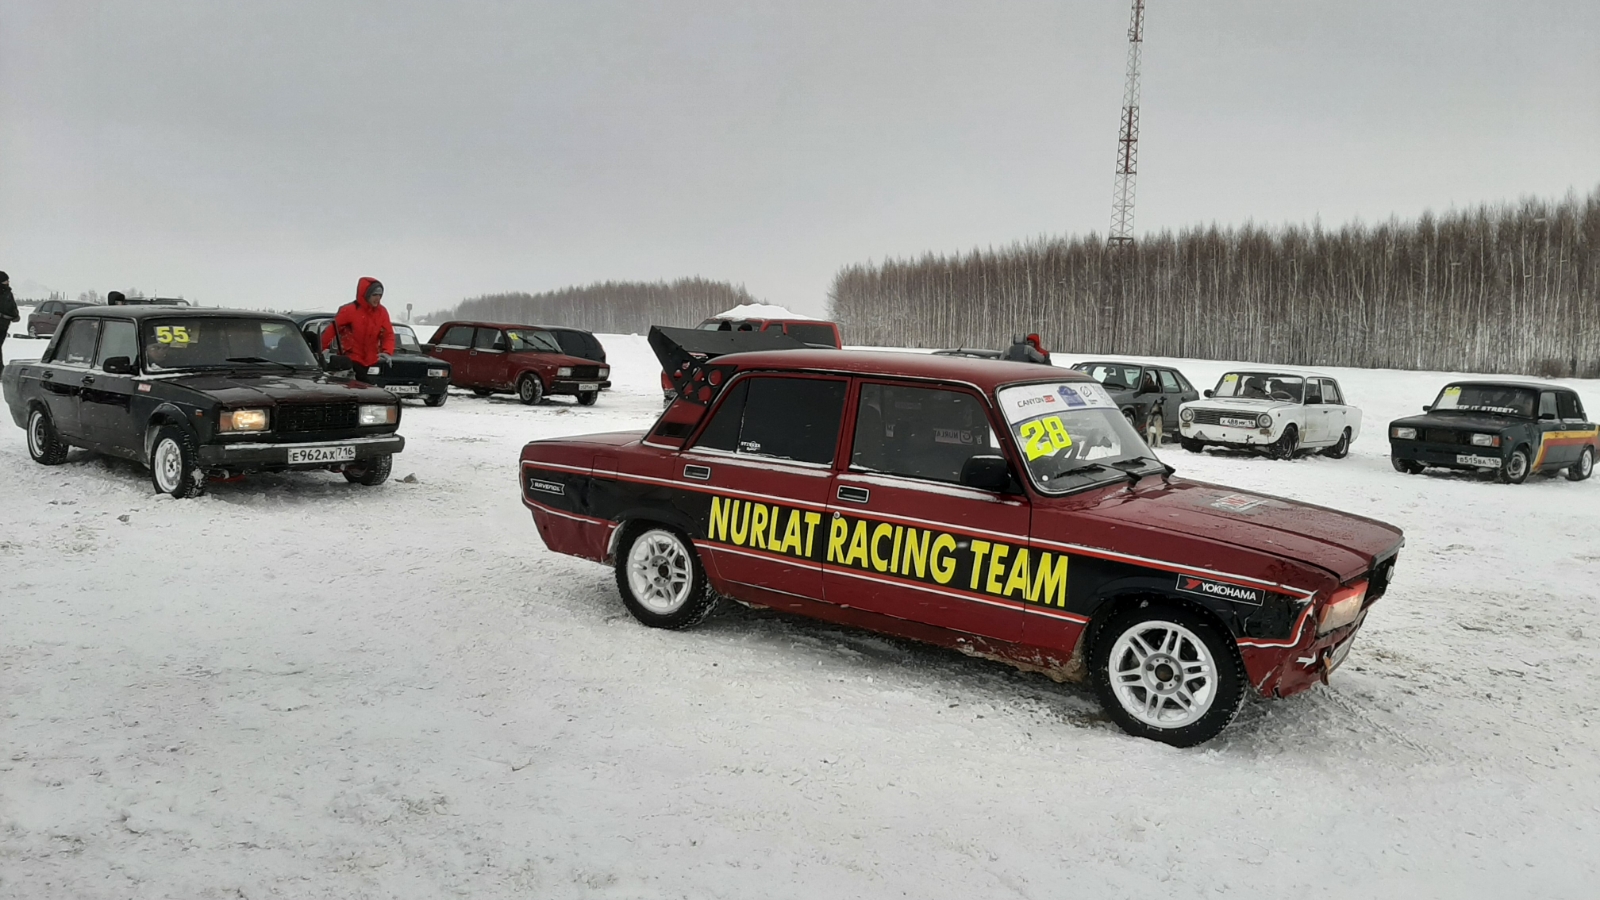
(172, 334)
(1044, 437)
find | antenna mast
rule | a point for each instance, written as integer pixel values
(1128, 138)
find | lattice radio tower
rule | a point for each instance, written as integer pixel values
(1128, 138)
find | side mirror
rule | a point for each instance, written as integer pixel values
(1547, 417)
(427, 348)
(989, 473)
(1427, 407)
(1208, 392)
(118, 365)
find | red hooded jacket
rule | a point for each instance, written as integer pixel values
(363, 330)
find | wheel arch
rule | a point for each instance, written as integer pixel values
(1118, 599)
(634, 519)
(164, 415)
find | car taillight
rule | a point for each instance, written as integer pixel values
(1342, 608)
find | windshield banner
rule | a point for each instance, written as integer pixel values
(1029, 400)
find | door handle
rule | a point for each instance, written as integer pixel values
(698, 473)
(853, 494)
(88, 379)
(49, 374)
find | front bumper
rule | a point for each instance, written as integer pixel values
(1454, 456)
(402, 386)
(262, 455)
(1222, 434)
(1282, 672)
(577, 386)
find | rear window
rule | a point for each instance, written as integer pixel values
(1571, 409)
(821, 335)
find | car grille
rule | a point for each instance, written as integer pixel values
(416, 369)
(316, 417)
(585, 371)
(1214, 416)
(1443, 436)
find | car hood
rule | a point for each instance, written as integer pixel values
(1187, 517)
(1239, 404)
(1461, 422)
(559, 359)
(238, 388)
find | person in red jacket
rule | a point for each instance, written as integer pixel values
(361, 331)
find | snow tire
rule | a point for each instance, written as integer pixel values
(370, 472)
(1138, 665)
(1341, 449)
(1516, 467)
(1583, 468)
(661, 579)
(44, 445)
(530, 390)
(175, 464)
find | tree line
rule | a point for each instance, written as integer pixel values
(1510, 288)
(613, 307)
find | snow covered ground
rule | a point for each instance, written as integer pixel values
(298, 688)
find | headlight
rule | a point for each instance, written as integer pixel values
(1486, 440)
(1263, 421)
(438, 373)
(605, 371)
(1186, 416)
(243, 420)
(1342, 608)
(1403, 434)
(564, 372)
(378, 414)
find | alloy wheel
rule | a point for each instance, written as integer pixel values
(660, 572)
(1162, 674)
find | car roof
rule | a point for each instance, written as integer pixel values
(147, 311)
(1506, 382)
(1278, 370)
(1120, 362)
(986, 374)
(476, 324)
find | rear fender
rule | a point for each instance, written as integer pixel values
(633, 519)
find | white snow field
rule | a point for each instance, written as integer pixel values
(298, 688)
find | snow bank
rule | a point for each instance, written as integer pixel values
(294, 687)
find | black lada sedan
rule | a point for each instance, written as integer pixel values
(1511, 428)
(408, 373)
(197, 393)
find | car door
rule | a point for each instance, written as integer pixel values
(1172, 397)
(106, 404)
(1340, 416)
(452, 344)
(766, 457)
(64, 377)
(1554, 450)
(904, 537)
(487, 358)
(1316, 424)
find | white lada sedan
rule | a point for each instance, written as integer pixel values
(1282, 413)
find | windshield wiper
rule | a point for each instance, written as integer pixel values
(1132, 467)
(262, 359)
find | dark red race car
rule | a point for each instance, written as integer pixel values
(999, 508)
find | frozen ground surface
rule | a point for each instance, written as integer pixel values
(298, 688)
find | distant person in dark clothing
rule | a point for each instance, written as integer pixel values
(1028, 349)
(8, 313)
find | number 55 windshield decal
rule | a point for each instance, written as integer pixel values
(172, 334)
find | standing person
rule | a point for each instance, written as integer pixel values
(8, 313)
(1028, 349)
(361, 331)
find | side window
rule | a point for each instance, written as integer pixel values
(1569, 407)
(487, 339)
(1148, 384)
(457, 336)
(1330, 393)
(1169, 382)
(1547, 405)
(117, 338)
(919, 432)
(1314, 392)
(779, 418)
(77, 345)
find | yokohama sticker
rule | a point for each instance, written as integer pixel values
(1189, 584)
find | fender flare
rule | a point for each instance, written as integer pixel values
(630, 517)
(165, 414)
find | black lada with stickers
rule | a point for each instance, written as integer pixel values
(1513, 429)
(999, 508)
(196, 394)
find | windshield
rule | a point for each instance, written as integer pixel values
(406, 339)
(1261, 386)
(179, 342)
(534, 341)
(1502, 400)
(1114, 377)
(1072, 435)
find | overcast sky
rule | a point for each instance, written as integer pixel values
(270, 153)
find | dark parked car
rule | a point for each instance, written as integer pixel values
(197, 393)
(1004, 509)
(408, 373)
(577, 342)
(1149, 396)
(491, 357)
(47, 316)
(1510, 428)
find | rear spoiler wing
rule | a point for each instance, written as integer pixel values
(685, 353)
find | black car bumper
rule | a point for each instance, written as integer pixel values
(306, 454)
(577, 386)
(1453, 456)
(401, 386)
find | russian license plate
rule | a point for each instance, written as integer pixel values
(1238, 423)
(321, 454)
(1467, 459)
(404, 389)
(588, 387)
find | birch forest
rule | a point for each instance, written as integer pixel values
(1513, 288)
(613, 307)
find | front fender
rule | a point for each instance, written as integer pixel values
(166, 414)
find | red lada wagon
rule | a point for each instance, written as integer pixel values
(1006, 511)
